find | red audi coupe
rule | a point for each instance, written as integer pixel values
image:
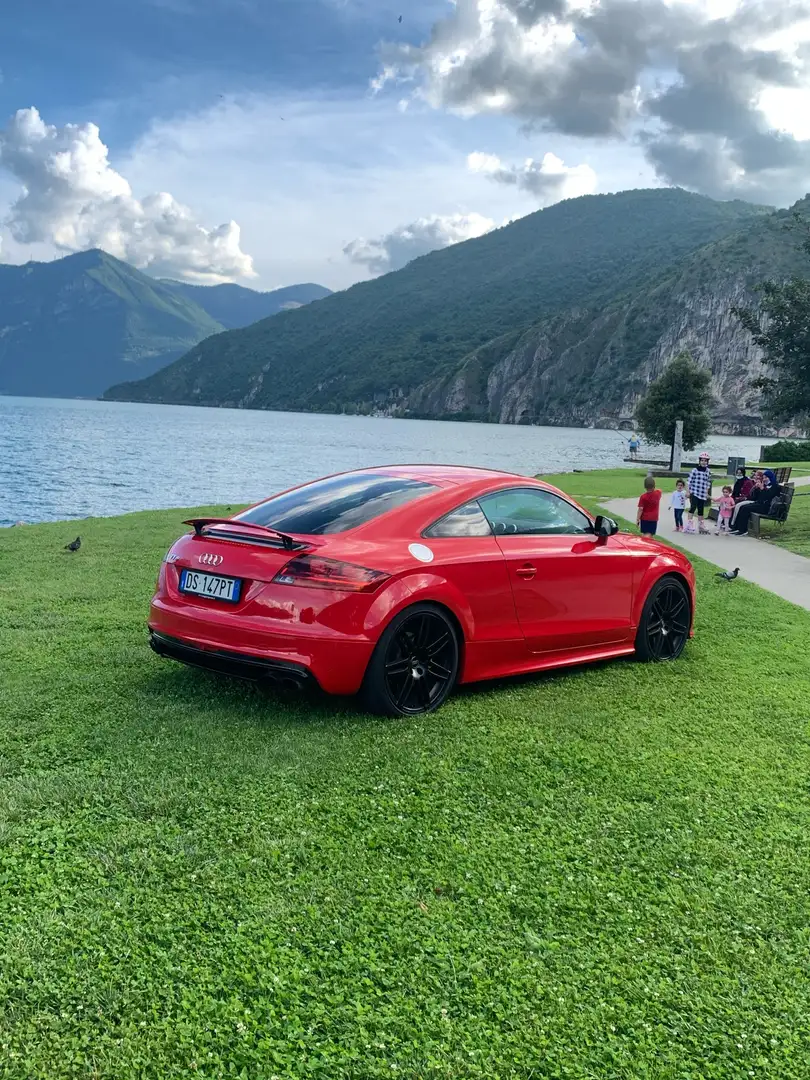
(400, 582)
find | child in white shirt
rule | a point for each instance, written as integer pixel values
(678, 504)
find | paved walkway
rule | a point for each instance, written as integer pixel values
(772, 567)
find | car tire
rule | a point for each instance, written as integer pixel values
(663, 629)
(415, 664)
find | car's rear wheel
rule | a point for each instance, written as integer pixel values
(664, 627)
(415, 664)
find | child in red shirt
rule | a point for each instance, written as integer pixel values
(648, 504)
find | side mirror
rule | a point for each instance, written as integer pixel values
(605, 526)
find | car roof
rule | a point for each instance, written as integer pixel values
(445, 475)
(452, 486)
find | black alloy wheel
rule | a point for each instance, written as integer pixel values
(415, 664)
(664, 629)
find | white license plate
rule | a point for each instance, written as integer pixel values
(210, 585)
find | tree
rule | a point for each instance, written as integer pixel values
(680, 393)
(781, 328)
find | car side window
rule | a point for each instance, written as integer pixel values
(531, 512)
(467, 520)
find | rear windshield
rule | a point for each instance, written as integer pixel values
(336, 505)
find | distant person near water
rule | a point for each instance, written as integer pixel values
(648, 508)
(634, 442)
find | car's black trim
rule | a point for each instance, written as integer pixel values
(237, 665)
(266, 536)
(255, 541)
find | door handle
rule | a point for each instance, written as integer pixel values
(528, 571)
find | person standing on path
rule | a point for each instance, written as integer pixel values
(648, 508)
(699, 484)
(677, 503)
(725, 508)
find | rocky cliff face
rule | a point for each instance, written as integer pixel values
(706, 327)
(591, 367)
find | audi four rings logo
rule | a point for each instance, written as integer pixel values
(211, 560)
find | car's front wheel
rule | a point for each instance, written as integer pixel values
(415, 664)
(664, 627)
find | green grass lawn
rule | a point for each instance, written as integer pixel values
(795, 533)
(593, 875)
(604, 483)
(800, 468)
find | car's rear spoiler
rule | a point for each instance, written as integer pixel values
(289, 543)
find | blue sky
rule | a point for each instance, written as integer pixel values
(71, 58)
(189, 95)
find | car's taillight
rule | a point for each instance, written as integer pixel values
(314, 572)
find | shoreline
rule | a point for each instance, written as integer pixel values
(723, 429)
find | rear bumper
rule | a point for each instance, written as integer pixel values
(254, 669)
(335, 663)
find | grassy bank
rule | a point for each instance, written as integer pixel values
(601, 874)
(603, 483)
(795, 533)
(800, 468)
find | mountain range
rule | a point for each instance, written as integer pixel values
(75, 326)
(234, 306)
(563, 316)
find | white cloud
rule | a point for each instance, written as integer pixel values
(73, 199)
(713, 91)
(337, 167)
(407, 242)
(549, 180)
(787, 109)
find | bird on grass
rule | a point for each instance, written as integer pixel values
(75, 545)
(728, 575)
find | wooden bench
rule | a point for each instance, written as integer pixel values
(782, 475)
(782, 512)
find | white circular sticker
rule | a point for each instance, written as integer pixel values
(420, 552)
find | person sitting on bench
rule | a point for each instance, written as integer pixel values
(757, 484)
(760, 503)
(742, 486)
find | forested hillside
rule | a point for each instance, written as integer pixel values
(596, 361)
(379, 341)
(72, 327)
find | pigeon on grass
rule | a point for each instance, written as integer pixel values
(75, 545)
(729, 575)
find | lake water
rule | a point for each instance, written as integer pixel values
(74, 459)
